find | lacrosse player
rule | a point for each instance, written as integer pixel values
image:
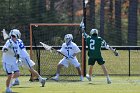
(10, 55)
(94, 43)
(70, 50)
(25, 58)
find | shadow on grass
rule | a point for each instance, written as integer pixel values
(11, 92)
(91, 83)
(21, 87)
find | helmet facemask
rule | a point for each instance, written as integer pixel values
(16, 33)
(94, 32)
(68, 38)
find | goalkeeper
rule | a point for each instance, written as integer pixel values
(94, 43)
(70, 50)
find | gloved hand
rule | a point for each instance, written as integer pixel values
(17, 56)
(115, 52)
(5, 50)
(19, 62)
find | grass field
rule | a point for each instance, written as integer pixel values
(115, 65)
(120, 84)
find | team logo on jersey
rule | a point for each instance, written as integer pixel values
(68, 47)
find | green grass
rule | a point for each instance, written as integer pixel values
(115, 65)
(119, 85)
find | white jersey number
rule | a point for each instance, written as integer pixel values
(92, 43)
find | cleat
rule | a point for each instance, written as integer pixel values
(43, 82)
(8, 90)
(89, 78)
(55, 78)
(108, 81)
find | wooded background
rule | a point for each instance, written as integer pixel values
(118, 21)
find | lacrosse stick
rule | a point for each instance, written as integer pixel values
(50, 48)
(82, 25)
(114, 51)
(5, 35)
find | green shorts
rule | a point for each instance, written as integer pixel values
(91, 61)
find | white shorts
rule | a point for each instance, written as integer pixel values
(27, 62)
(10, 68)
(73, 61)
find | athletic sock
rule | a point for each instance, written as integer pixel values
(57, 75)
(108, 77)
(40, 78)
(16, 79)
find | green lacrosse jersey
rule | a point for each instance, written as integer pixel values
(94, 46)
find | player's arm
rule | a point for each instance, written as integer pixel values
(82, 27)
(105, 45)
(6, 46)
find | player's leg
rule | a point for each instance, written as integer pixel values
(9, 70)
(15, 82)
(15, 76)
(33, 78)
(59, 66)
(76, 64)
(89, 76)
(106, 74)
(91, 63)
(80, 73)
(102, 63)
(62, 63)
(41, 80)
(29, 64)
(8, 81)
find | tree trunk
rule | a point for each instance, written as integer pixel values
(118, 36)
(132, 23)
(102, 18)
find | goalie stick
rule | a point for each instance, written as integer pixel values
(47, 47)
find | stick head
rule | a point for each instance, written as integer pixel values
(47, 47)
(116, 52)
(5, 35)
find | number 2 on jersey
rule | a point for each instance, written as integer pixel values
(92, 44)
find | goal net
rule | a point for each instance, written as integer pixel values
(53, 35)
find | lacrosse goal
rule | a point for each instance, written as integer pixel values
(53, 35)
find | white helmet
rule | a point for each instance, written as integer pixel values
(15, 32)
(93, 31)
(68, 38)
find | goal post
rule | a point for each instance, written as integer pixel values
(47, 32)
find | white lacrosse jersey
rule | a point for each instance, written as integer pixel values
(23, 52)
(70, 49)
(9, 57)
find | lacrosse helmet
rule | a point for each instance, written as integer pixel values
(68, 38)
(15, 32)
(94, 31)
